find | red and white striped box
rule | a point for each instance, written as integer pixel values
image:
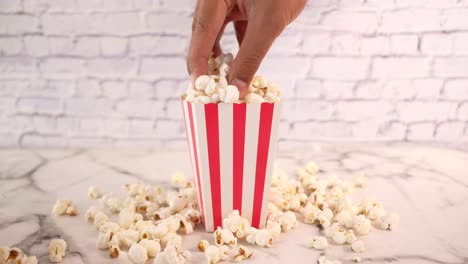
(232, 148)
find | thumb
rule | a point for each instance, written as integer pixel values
(258, 38)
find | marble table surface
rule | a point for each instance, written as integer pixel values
(428, 186)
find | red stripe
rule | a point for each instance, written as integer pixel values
(266, 116)
(238, 154)
(212, 135)
(195, 155)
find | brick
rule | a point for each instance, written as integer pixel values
(44, 124)
(450, 131)
(90, 127)
(175, 23)
(375, 46)
(154, 45)
(119, 23)
(178, 5)
(428, 89)
(378, 130)
(89, 107)
(274, 66)
(380, 4)
(336, 90)
(308, 89)
(113, 46)
(404, 44)
(60, 45)
(426, 111)
(462, 113)
(67, 126)
(86, 47)
(139, 108)
(320, 3)
(114, 89)
(460, 44)
(352, 3)
(455, 19)
(421, 131)
(10, 6)
(410, 20)
(31, 105)
(46, 88)
(117, 128)
(62, 66)
(141, 90)
(362, 22)
(104, 5)
(404, 68)
(10, 46)
(169, 89)
(141, 128)
(286, 44)
(111, 67)
(13, 66)
(7, 105)
(451, 67)
(340, 68)
(306, 110)
(36, 46)
(88, 142)
(12, 86)
(167, 67)
(455, 89)
(368, 90)
(143, 4)
(37, 6)
(170, 129)
(287, 86)
(346, 45)
(17, 24)
(87, 88)
(427, 3)
(362, 110)
(320, 130)
(316, 43)
(65, 23)
(174, 110)
(42, 140)
(398, 89)
(436, 44)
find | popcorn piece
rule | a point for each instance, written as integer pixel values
(243, 253)
(152, 247)
(94, 193)
(224, 236)
(137, 254)
(358, 246)
(350, 237)
(253, 98)
(179, 180)
(60, 207)
(57, 248)
(124, 258)
(389, 221)
(13, 255)
(263, 238)
(212, 254)
(231, 96)
(362, 225)
(128, 237)
(357, 259)
(71, 211)
(318, 242)
(103, 239)
(201, 82)
(339, 237)
(202, 245)
(274, 228)
(114, 251)
(29, 260)
(90, 213)
(360, 181)
(345, 218)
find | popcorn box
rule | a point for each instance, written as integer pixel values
(232, 148)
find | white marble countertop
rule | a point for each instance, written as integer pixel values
(428, 186)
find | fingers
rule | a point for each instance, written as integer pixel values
(208, 21)
(257, 40)
(217, 47)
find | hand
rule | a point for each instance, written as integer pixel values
(257, 24)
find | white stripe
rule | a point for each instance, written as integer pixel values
(252, 123)
(203, 162)
(192, 153)
(270, 161)
(225, 117)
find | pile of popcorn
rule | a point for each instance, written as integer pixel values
(151, 220)
(214, 88)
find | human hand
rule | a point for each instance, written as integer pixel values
(257, 24)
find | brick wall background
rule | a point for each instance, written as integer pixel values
(109, 72)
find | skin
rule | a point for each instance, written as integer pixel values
(257, 24)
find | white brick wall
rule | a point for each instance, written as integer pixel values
(109, 72)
